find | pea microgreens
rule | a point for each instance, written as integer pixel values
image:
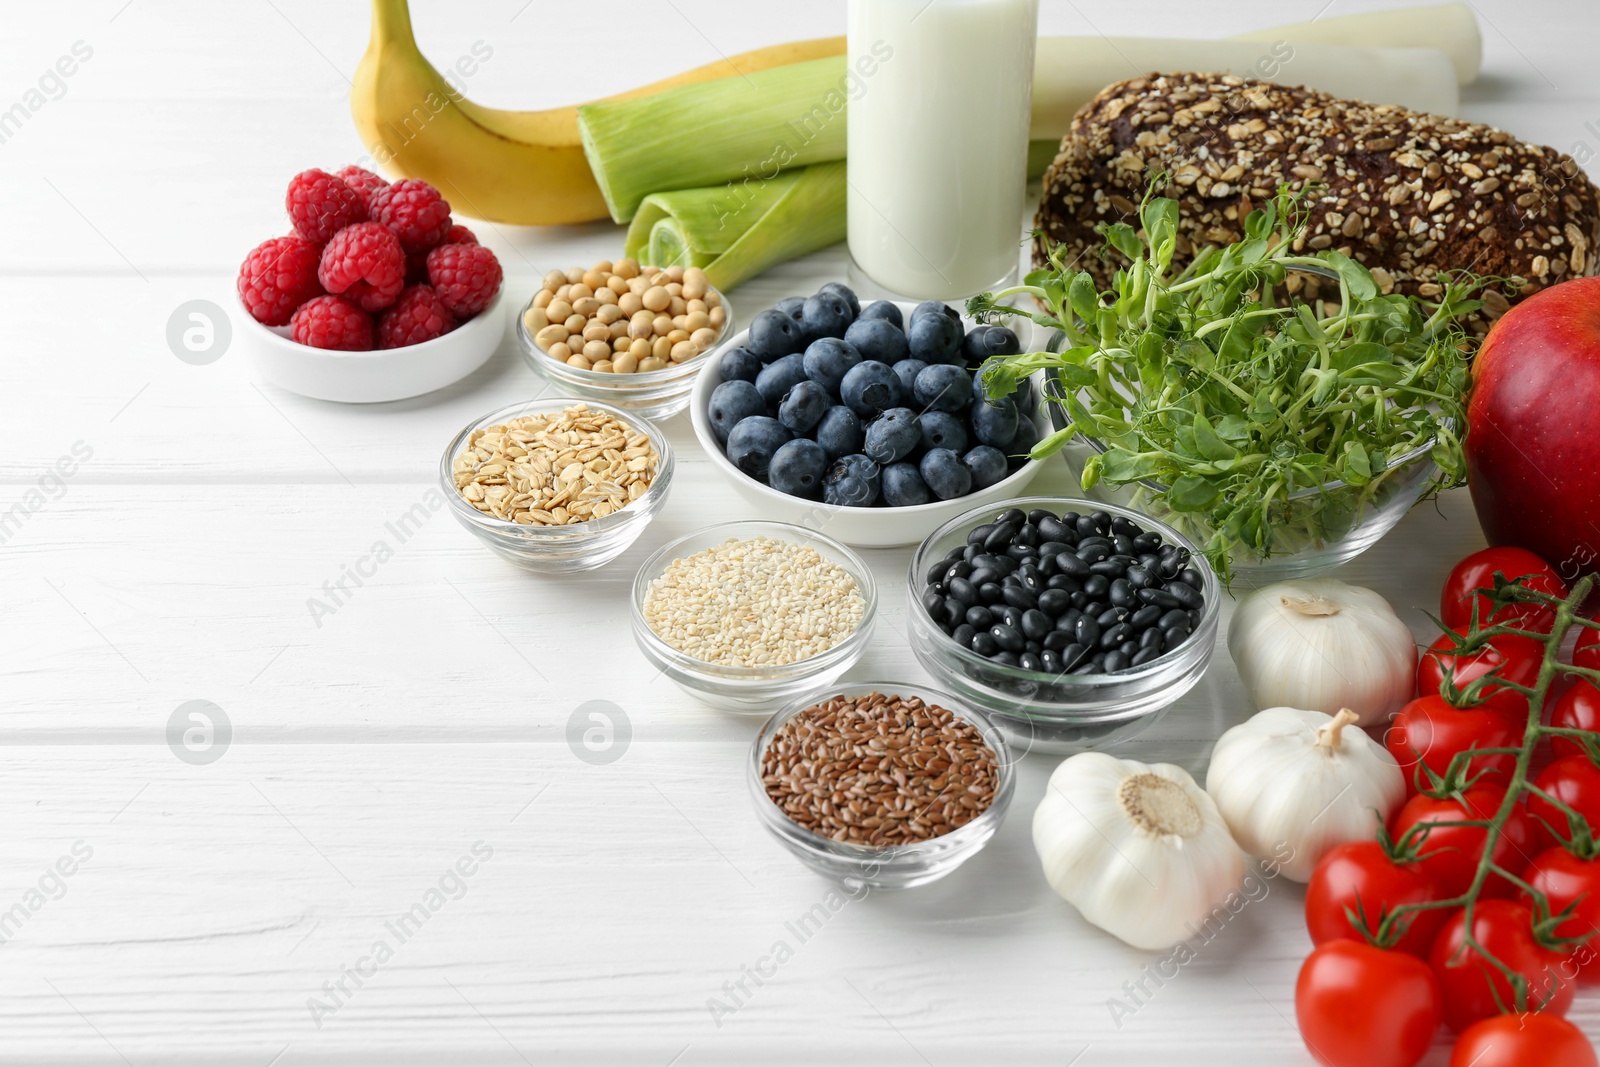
(1220, 394)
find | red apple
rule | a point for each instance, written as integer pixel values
(1533, 437)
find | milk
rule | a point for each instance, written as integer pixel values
(938, 141)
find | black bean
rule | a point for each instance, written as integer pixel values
(1191, 577)
(955, 613)
(1007, 658)
(1012, 515)
(1057, 640)
(1194, 619)
(1055, 602)
(1008, 616)
(1029, 662)
(1098, 663)
(1072, 564)
(1030, 577)
(978, 534)
(1033, 646)
(980, 617)
(1123, 594)
(1145, 618)
(1053, 548)
(1036, 625)
(1124, 545)
(1064, 582)
(1007, 638)
(1114, 662)
(963, 634)
(1070, 519)
(985, 645)
(987, 562)
(1101, 520)
(1114, 636)
(1148, 542)
(933, 602)
(1087, 631)
(1050, 662)
(1145, 655)
(1125, 526)
(1139, 576)
(981, 576)
(1028, 535)
(1185, 594)
(971, 552)
(1094, 549)
(1020, 596)
(1038, 515)
(990, 593)
(1158, 596)
(1021, 552)
(1175, 617)
(962, 590)
(1085, 526)
(1174, 636)
(1046, 566)
(1004, 564)
(1152, 638)
(1110, 617)
(1068, 620)
(1080, 599)
(1096, 585)
(1052, 529)
(937, 572)
(1000, 537)
(1110, 568)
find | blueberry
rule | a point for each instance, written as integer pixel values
(903, 486)
(886, 310)
(986, 341)
(780, 376)
(827, 360)
(849, 294)
(738, 365)
(774, 334)
(1022, 442)
(825, 315)
(797, 468)
(994, 422)
(936, 338)
(732, 402)
(839, 433)
(791, 306)
(893, 436)
(907, 370)
(853, 482)
(940, 429)
(929, 306)
(752, 443)
(803, 407)
(946, 476)
(988, 466)
(944, 387)
(879, 339)
(870, 387)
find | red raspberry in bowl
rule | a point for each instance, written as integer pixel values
(415, 211)
(362, 180)
(334, 322)
(365, 263)
(466, 276)
(278, 276)
(320, 205)
(419, 315)
(459, 235)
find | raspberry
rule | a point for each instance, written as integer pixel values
(332, 322)
(321, 205)
(363, 181)
(278, 276)
(417, 262)
(466, 276)
(365, 263)
(419, 315)
(415, 211)
(459, 235)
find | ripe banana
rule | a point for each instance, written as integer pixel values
(518, 167)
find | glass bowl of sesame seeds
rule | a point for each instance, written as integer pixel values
(745, 616)
(881, 784)
(557, 485)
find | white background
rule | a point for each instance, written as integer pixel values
(429, 712)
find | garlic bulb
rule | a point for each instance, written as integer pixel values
(1292, 784)
(1140, 850)
(1323, 645)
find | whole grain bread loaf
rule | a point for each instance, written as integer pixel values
(1405, 193)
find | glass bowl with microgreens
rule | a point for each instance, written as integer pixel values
(1284, 437)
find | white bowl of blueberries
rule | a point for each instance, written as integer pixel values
(869, 423)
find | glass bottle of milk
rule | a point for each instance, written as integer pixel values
(938, 141)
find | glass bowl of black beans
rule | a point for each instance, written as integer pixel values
(1073, 623)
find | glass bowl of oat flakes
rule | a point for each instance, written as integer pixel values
(557, 484)
(746, 615)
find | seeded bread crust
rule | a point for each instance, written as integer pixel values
(1407, 194)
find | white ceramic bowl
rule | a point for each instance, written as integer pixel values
(878, 527)
(380, 375)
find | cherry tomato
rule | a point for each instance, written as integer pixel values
(1518, 660)
(1477, 572)
(1567, 881)
(1587, 652)
(1534, 1040)
(1576, 709)
(1360, 876)
(1430, 728)
(1505, 929)
(1450, 854)
(1574, 781)
(1360, 1006)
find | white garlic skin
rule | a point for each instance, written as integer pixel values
(1323, 645)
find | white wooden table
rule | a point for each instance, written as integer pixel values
(427, 717)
